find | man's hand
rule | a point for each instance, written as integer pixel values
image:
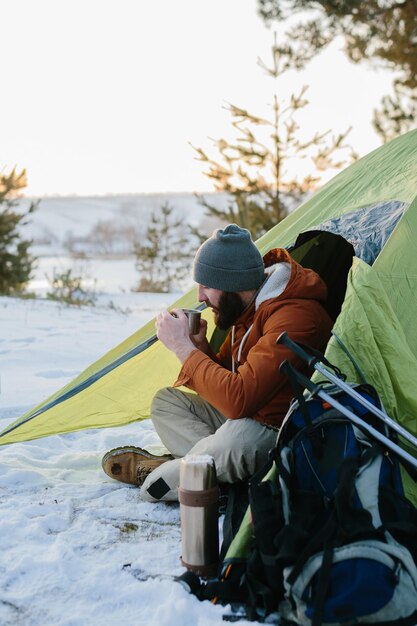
(200, 339)
(174, 333)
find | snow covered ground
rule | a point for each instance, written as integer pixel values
(79, 549)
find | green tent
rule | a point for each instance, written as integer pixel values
(373, 205)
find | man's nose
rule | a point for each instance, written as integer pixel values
(201, 294)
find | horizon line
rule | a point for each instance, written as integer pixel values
(113, 194)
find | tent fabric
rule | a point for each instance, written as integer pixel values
(370, 330)
(123, 394)
(120, 395)
(397, 269)
(368, 228)
(388, 173)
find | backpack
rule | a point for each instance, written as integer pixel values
(334, 539)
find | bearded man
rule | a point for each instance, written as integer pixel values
(240, 398)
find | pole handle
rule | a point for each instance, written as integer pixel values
(285, 340)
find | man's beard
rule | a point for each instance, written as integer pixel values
(229, 309)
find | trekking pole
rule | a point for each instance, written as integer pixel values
(314, 362)
(288, 369)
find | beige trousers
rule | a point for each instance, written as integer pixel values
(187, 424)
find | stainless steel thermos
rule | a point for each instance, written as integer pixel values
(198, 495)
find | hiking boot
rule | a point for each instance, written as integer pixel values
(131, 465)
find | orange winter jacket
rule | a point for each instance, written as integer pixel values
(289, 300)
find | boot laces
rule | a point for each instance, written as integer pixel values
(142, 474)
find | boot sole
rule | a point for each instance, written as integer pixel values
(115, 452)
(131, 460)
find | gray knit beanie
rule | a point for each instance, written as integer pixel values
(229, 261)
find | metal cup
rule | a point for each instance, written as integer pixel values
(193, 320)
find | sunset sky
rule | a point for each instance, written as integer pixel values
(105, 96)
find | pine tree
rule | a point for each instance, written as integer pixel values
(398, 113)
(253, 169)
(163, 257)
(381, 32)
(16, 262)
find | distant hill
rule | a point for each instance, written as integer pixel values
(106, 225)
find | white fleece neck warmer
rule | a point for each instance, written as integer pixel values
(277, 281)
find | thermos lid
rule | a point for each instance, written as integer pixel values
(197, 472)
